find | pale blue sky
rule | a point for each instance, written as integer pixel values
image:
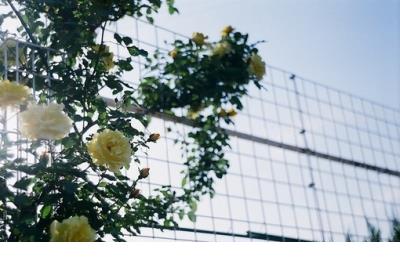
(352, 45)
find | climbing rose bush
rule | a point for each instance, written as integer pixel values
(206, 80)
(74, 175)
(65, 183)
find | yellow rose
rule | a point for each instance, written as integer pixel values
(45, 122)
(198, 38)
(73, 229)
(226, 31)
(12, 93)
(107, 57)
(110, 149)
(221, 49)
(11, 45)
(257, 66)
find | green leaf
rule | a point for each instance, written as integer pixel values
(22, 200)
(127, 40)
(68, 142)
(23, 183)
(103, 184)
(193, 205)
(118, 38)
(181, 214)
(184, 181)
(134, 51)
(46, 211)
(70, 187)
(192, 216)
(125, 65)
(143, 52)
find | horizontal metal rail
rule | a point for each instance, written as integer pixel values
(306, 151)
(249, 234)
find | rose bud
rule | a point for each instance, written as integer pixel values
(231, 113)
(135, 193)
(227, 30)
(144, 173)
(153, 137)
(173, 53)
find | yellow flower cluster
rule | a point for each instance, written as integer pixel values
(12, 93)
(257, 66)
(45, 122)
(110, 149)
(73, 229)
(199, 38)
(107, 57)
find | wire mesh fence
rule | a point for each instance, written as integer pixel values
(308, 162)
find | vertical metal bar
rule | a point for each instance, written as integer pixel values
(4, 147)
(17, 72)
(337, 141)
(33, 73)
(165, 133)
(48, 76)
(374, 158)
(397, 162)
(264, 114)
(356, 176)
(314, 188)
(229, 207)
(285, 158)
(5, 51)
(140, 77)
(17, 61)
(138, 45)
(260, 194)
(305, 185)
(385, 162)
(4, 132)
(243, 188)
(317, 169)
